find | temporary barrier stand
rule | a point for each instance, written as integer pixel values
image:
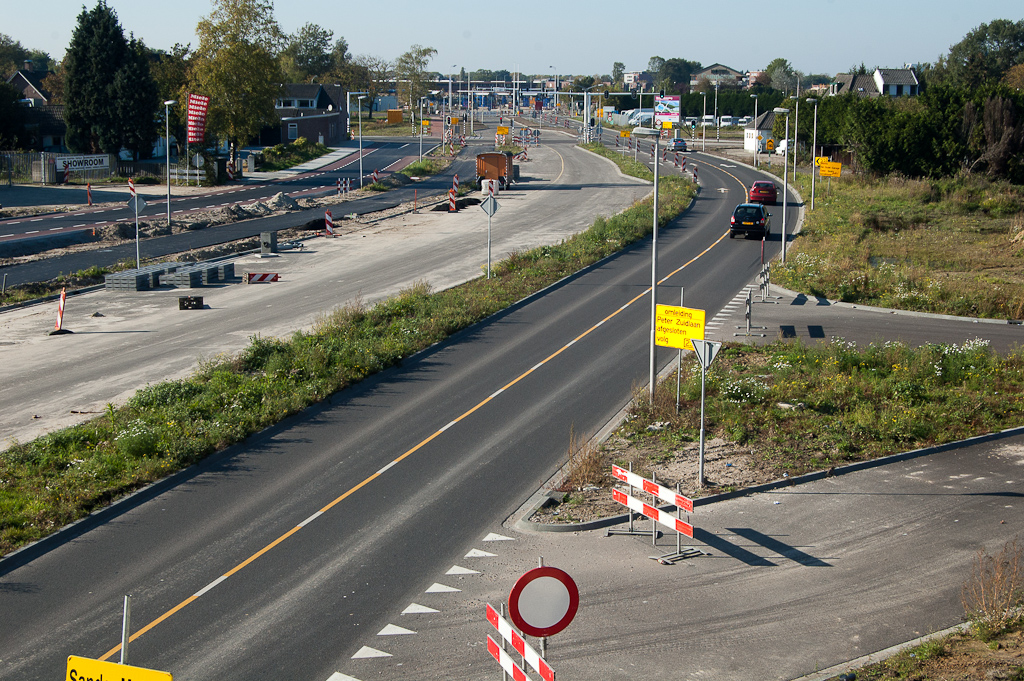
(509, 634)
(657, 516)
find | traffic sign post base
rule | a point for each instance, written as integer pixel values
(675, 557)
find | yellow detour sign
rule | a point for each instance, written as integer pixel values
(625, 133)
(770, 145)
(502, 130)
(425, 122)
(675, 326)
(667, 125)
(455, 120)
(818, 160)
(830, 169)
(84, 669)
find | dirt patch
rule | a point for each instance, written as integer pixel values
(727, 467)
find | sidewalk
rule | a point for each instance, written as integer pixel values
(309, 166)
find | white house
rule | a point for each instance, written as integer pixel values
(761, 127)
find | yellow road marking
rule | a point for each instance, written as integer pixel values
(416, 448)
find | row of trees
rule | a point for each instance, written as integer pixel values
(113, 86)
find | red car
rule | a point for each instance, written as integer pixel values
(764, 191)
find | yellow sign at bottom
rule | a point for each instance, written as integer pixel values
(502, 130)
(84, 669)
(675, 326)
(830, 169)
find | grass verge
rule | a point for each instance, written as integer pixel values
(807, 408)
(62, 476)
(951, 246)
(282, 156)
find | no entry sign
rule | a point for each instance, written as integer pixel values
(543, 601)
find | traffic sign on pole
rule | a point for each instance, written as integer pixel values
(81, 668)
(543, 601)
(676, 326)
(706, 351)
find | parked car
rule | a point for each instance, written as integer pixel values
(750, 218)
(677, 144)
(763, 191)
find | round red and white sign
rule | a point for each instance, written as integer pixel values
(543, 601)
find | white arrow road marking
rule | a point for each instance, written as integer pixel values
(477, 553)
(368, 652)
(338, 676)
(459, 570)
(393, 630)
(497, 537)
(436, 588)
(417, 609)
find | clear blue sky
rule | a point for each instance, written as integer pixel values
(816, 36)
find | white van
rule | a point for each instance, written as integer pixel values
(781, 147)
(725, 121)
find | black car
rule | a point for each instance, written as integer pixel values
(677, 144)
(750, 218)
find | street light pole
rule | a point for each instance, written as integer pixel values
(359, 102)
(421, 127)
(814, 144)
(785, 188)
(167, 139)
(648, 132)
(703, 123)
(754, 97)
(718, 126)
(796, 129)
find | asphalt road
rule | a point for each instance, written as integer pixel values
(408, 469)
(308, 184)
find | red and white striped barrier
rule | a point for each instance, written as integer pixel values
(663, 493)
(677, 160)
(88, 192)
(131, 187)
(231, 170)
(652, 151)
(59, 326)
(375, 175)
(261, 277)
(328, 223)
(695, 173)
(655, 514)
(452, 208)
(522, 647)
(339, 185)
(67, 174)
(347, 184)
(496, 137)
(455, 183)
(506, 662)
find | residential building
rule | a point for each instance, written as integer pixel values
(887, 82)
(44, 121)
(717, 74)
(311, 110)
(638, 79)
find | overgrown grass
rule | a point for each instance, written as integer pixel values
(428, 166)
(805, 408)
(952, 246)
(90, 276)
(283, 156)
(66, 474)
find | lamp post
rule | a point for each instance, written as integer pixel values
(703, 122)
(754, 97)
(359, 103)
(556, 89)
(652, 133)
(718, 127)
(785, 187)
(421, 127)
(167, 138)
(814, 144)
(796, 128)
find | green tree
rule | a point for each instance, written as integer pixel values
(618, 68)
(655, 66)
(12, 123)
(235, 66)
(411, 73)
(379, 72)
(102, 111)
(308, 54)
(340, 56)
(171, 72)
(676, 74)
(985, 54)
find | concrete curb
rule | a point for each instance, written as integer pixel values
(872, 658)
(539, 498)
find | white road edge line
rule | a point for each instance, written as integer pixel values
(209, 586)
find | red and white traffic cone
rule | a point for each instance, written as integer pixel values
(58, 328)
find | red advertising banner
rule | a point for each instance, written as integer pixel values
(196, 117)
